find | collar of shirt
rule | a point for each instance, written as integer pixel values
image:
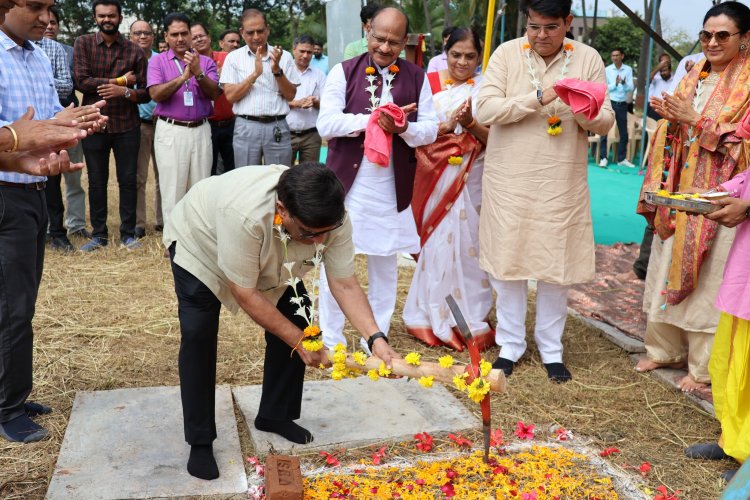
(100, 39)
(264, 57)
(7, 43)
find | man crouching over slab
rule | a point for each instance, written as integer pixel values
(225, 242)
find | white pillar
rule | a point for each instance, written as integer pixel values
(342, 27)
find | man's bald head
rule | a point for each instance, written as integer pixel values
(387, 36)
(394, 17)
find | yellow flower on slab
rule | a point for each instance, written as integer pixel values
(373, 374)
(337, 375)
(413, 358)
(485, 367)
(426, 381)
(339, 347)
(460, 382)
(446, 361)
(339, 357)
(383, 370)
(478, 389)
(359, 358)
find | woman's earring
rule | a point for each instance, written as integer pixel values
(743, 46)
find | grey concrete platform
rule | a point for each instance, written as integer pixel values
(359, 411)
(129, 443)
(615, 335)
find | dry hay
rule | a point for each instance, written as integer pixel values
(108, 320)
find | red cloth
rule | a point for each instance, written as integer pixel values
(582, 97)
(743, 129)
(378, 143)
(222, 107)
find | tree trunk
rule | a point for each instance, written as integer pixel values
(643, 79)
(585, 24)
(593, 25)
(428, 23)
(447, 14)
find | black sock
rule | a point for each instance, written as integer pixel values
(557, 372)
(201, 463)
(285, 428)
(22, 430)
(505, 365)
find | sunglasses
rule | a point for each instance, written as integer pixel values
(308, 235)
(720, 36)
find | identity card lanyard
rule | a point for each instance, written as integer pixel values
(187, 97)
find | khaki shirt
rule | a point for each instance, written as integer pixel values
(224, 233)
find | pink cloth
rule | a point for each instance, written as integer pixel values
(734, 293)
(582, 97)
(743, 129)
(378, 143)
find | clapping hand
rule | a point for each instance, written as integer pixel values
(675, 109)
(193, 61)
(463, 115)
(46, 164)
(87, 117)
(36, 134)
(275, 58)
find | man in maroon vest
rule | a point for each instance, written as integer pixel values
(378, 196)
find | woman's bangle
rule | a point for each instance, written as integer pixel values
(121, 81)
(15, 139)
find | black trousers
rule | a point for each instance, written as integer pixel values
(283, 374)
(23, 230)
(640, 266)
(621, 118)
(55, 206)
(221, 138)
(96, 150)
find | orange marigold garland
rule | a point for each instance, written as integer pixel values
(555, 125)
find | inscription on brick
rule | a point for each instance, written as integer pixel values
(283, 478)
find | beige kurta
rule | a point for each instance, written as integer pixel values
(536, 216)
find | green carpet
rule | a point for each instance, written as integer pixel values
(614, 195)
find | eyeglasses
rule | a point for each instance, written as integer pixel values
(720, 36)
(199, 37)
(141, 33)
(550, 29)
(385, 41)
(308, 235)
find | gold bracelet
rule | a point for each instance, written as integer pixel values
(15, 139)
(121, 81)
(472, 124)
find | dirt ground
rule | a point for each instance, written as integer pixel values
(108, 320)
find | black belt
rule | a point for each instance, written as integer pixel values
(31, 186)
(264, 118)
(194, 124)
(148, 122)
(303, 132)
(222, 123)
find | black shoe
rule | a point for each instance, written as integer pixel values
(61, 243)
(557, 372)
(139, 233)
(505, 365)
(159, 228)
(22, 430)
(706, 451)
(80, 233)
(33, 409)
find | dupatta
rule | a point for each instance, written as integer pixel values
(683, 157)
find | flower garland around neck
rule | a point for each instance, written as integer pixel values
(449, 83)
(554, 123)
(312, 336)
(372, 87)
(699, 90)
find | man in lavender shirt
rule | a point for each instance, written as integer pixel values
(183, 83)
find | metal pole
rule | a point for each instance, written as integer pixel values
(502, 23)
(654, 10)
(488, 34)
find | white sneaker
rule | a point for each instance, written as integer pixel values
(626, 163)
(603, 163)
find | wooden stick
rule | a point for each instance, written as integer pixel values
(496, 378)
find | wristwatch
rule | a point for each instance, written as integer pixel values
(280, 73)
(126, 95)
(200, 77)
(747, 213)
(539, 96)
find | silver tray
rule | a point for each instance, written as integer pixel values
(693, 206)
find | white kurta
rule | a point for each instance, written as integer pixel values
(379, 229)
(536, 216)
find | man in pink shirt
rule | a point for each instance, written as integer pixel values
(729, 366)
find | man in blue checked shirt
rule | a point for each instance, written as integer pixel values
(619, 82)
(25, 80)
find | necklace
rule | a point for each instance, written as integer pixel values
(372, 87)
(554, 122)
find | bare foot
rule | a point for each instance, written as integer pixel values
(628, 276)
(688, 384)
(646, 365)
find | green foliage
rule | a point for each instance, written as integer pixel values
(619, 32)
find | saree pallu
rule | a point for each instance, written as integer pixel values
(683, 157)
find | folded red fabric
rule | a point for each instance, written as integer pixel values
(582, 97)
(378, 143)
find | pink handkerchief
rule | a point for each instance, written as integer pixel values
(378, 144)
(582, 97)
(743, 129)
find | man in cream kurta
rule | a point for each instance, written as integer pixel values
(380, 231)
(536, 218)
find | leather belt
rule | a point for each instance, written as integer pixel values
(303, 132)
(31, 186)
(148, 122)
(264, 118)
(194, 124)
(222, 123)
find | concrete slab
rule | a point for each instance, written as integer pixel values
(129, 443)
(670, 377)
(356, 412)
(615, 335)
(406, 260)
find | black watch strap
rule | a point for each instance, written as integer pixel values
(280, 73)
(375, 336)
(747, 213)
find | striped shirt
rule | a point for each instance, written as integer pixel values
(60, 68)
(25, 80)
(263, 98)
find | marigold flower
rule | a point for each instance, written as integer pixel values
(311, 331)
(370, 70)
(373, 374)
(413, 358)
(448, 81)
(446, 361)
(478, 389)
(339, 358)
(459, 382)
(554, 120)
(703, 75)
(339, 347)
(470, 81)
(383, 370)
(312, 345)
(526, 46)
(337, 375)
(455, 160)
(359, 358)
(393, 69)
(426, 382)
(554, 130)
(277, 220)
(568, 46)
(485, 367)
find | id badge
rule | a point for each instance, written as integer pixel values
(187, 98)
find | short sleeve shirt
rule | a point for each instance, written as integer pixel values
(224, 232)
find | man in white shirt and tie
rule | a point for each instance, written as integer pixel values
(304, 108)
(619, 82)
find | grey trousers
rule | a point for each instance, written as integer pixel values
(146, 156)
(75, 197)
(306, 147)
(254, 143)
